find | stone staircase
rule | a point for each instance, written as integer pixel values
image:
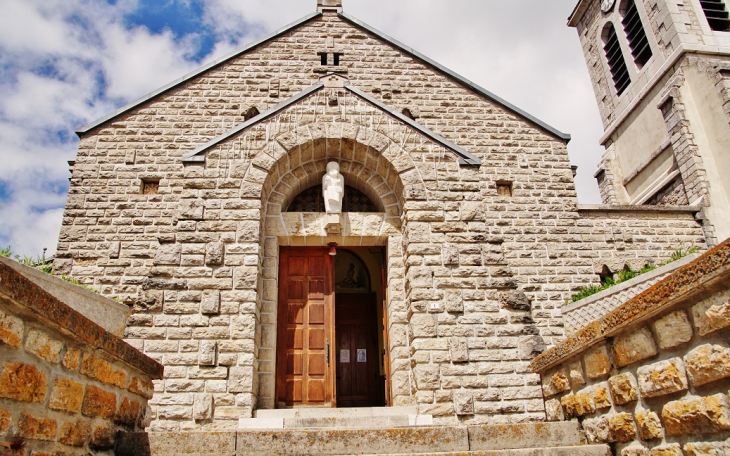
(382, 431)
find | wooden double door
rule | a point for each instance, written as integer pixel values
(327, 345)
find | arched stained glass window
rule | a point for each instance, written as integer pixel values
(311, 200)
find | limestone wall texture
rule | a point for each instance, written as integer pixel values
(652, 376)
(476, 280)
(67, 386)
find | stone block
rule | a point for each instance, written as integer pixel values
(142, 387)
(634, 347)
(98, 403)
(579, 404)
(102, 370)
(703, 415)
(43, 346)
(5, 419)
(515, 300)
(555, 382)
(672, 449)
(706, 448)
(240, 380)
(37, 428)
(463, 402)
(708, 363)
(102, 438)
(66, 395)
(214, 254)
(672, 330)
(711, 315)
(168, 254)
(597, 362)
(458, 349)
(427, 376)
(23, 382)
(664, 377)
(191, 209)
(601, 396)
(623, 388)
(72, 359)
(650, 428)
(211, 302)
(423, 325)
(597, 429)
(531, 346)
(554, 410)
(575, 372)
(526, 436)
(635, 450)
(621, 428)
(450, 253)
(207, 355)
(11, 330)
(203, 407)
(128, 413)
(76, 434)
(454, 301)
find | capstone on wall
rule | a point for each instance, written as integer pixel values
(476, 279)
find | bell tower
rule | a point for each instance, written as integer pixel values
(661, 76)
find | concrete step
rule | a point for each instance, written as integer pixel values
(528, 439)
(581, 450)
(327, 418)
(321, 412)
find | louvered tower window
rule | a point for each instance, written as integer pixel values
(616, 62)
(716, 14)
(635, 33)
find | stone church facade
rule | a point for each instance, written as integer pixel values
(194, 205)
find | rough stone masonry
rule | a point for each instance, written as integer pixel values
(178, 206)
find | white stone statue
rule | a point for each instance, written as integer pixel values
(333, 188)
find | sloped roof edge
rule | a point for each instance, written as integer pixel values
(477, 88)
(465, 157)
(192, 156)
(198, 72)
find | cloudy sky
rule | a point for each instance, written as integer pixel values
(64, 63)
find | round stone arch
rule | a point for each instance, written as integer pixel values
(376, 166)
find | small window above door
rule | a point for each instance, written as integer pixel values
(311, 200)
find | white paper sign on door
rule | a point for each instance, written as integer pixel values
(344, 356)
(362, 355)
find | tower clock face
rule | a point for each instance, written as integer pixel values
(606, 5)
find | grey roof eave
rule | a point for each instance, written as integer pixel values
(477, 88)
(192, 156)
(465, 157)
(577, 13)
(198, 72)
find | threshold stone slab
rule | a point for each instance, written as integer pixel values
(352, 441)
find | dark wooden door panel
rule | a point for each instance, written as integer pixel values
(356, 355)
(305, 326)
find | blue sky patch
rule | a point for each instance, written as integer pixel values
(181, 17)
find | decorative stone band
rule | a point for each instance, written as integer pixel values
(33, 300)
(710, 271)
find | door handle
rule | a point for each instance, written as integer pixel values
(327, 349)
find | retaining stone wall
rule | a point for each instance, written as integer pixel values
(652, 376)
(66, 385)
